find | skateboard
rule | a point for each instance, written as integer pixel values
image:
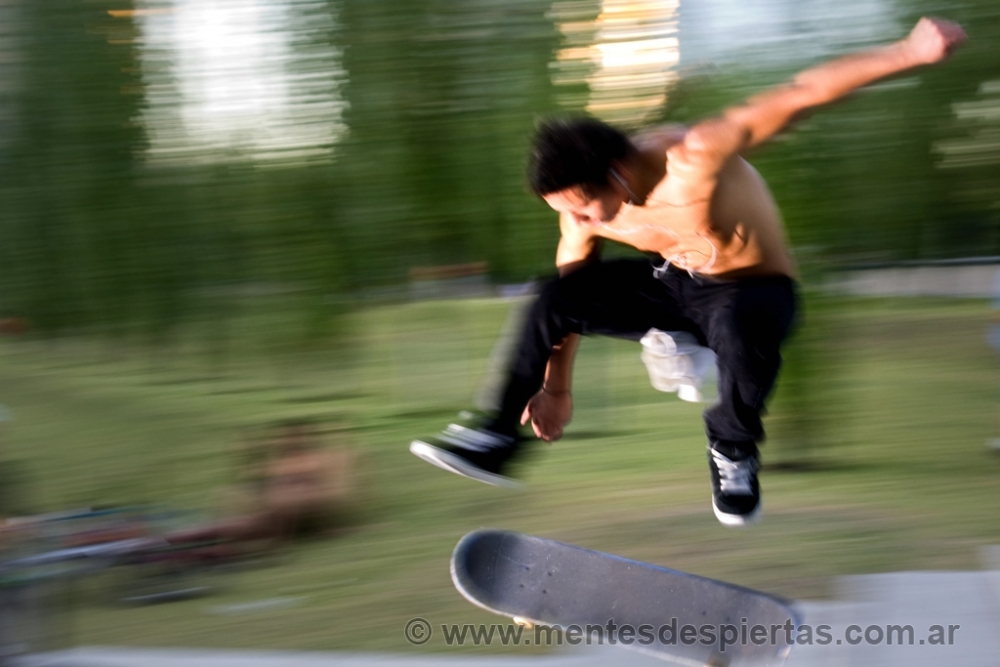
(589, 595)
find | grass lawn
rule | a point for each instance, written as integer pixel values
(876, 462)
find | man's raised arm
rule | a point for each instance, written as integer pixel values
(761, 117)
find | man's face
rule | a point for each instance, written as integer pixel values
(583, 209)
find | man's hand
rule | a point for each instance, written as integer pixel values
(932, 40)
(548, 413)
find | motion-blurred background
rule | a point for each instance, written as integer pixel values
(249, 248)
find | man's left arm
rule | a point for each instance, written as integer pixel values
(709, 144)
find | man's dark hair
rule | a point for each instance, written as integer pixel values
(574, 152)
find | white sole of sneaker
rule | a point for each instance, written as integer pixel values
(737, 520)
(456, 464)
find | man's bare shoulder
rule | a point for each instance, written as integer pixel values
(659, 137)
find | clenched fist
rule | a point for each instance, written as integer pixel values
(932, 40)
(548, 414)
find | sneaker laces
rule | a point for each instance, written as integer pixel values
(734, 476)
(474, 439)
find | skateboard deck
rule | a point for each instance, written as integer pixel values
(673, 615)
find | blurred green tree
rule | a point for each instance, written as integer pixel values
(67, 225)
(442, 100)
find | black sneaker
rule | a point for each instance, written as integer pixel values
(735, 491)
(471, 451)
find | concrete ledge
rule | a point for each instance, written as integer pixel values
(948, 280)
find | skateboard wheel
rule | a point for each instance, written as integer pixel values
(523, 622)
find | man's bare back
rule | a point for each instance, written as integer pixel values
(732, 230)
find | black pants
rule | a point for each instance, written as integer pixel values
(743, 321)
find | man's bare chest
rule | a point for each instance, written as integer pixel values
(680, 234)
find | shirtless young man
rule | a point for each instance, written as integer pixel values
(727, 275)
